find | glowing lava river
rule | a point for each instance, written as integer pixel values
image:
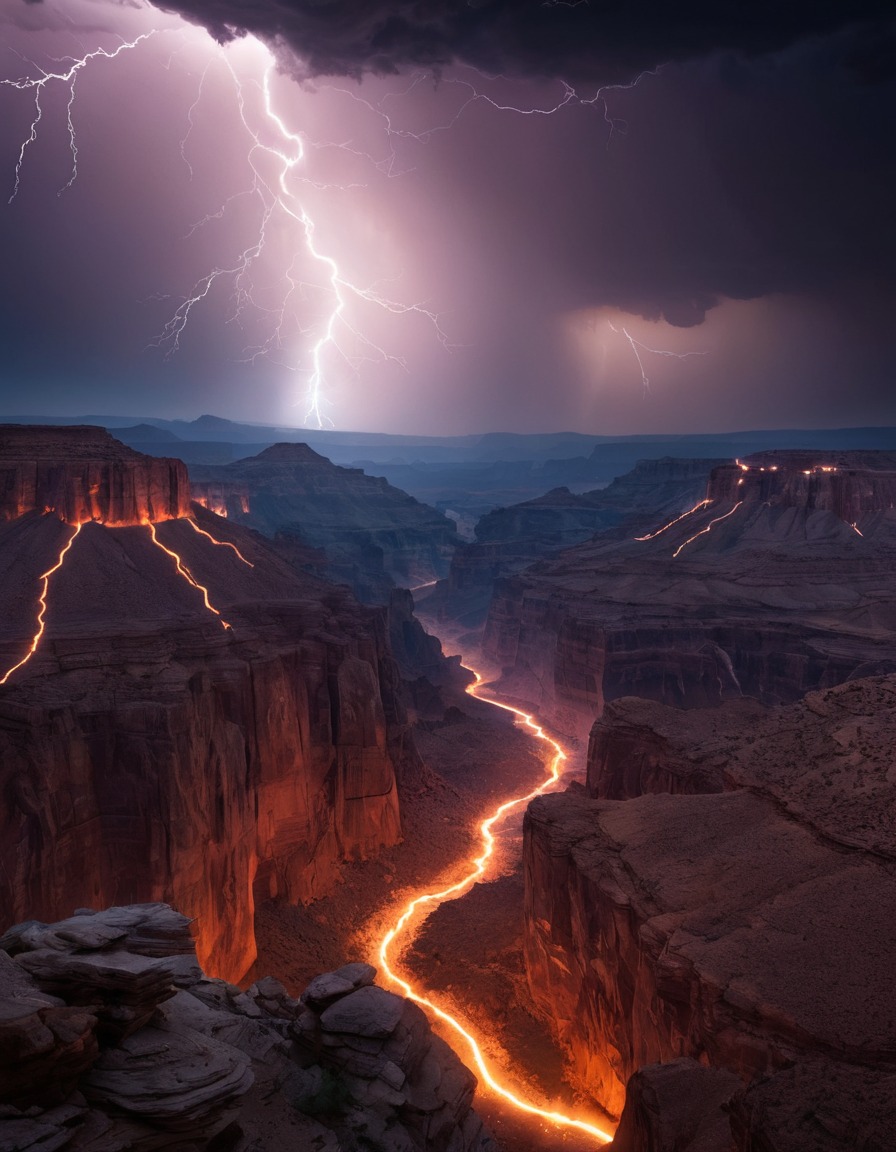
(402, 930)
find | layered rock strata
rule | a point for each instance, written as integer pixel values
(83, 473)
(373, 535)
(510, 539)
(778, 582)
(190, 719)
(349, 1067)
(733, 910)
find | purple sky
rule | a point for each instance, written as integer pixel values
(733, 206)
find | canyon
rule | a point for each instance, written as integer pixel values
(199, 723)
(197, 711)
(372, 536)
(777, 582)
(715, 902)
(112, 1037)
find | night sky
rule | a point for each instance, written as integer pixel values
(504, 213)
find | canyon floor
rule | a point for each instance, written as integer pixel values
(468, 951)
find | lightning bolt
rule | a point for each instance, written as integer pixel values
(67, 77)
(275, 196)
(637, 347)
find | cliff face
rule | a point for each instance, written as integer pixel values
(732, 911)
(776, 583)
(509, 539)
(82, 473)
(373, 535)
(149, 750)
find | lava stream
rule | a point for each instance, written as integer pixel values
(45, 577)
(184, 571)
(220, 543)
(458, 889)
(703, 531)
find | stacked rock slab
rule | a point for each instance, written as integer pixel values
(353, 1067)
(779, 582)
(722, 894)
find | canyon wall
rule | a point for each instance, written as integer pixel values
(192, 720)
(776, 583)
(372, 535)
(718, 893)
(82, 473)
(509, 539)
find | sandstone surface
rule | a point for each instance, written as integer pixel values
(509, 539)
(373, 535)
(151, 751)
(214, 1067)
(781, 582)
(722, 892)
(82, 473)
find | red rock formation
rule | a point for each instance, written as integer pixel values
(82, 473)
(148, 751)
(741, 919)
(373, 535)
(776, 586)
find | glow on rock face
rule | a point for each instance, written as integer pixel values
(708, 527)
(659, 531)
(42, 600)
(220, 543)
(403, 925)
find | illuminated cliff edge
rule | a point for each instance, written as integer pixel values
(82, 473)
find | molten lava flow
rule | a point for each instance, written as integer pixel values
(703, 531)
(45, 578)
(185, 572)
(220, 543)
(455, 890)
(689, 512)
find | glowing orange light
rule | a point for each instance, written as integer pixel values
(185, 572)
(703, 531)
(220, 543)
(741, 480)
(807, 472)
(454, 890)
(45, 578)
(659, 531)
(855, 528)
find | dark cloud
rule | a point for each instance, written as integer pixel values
(603, 39)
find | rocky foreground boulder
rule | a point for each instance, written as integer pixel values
(113, 1039)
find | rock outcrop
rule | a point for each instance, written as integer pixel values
(374, 536)
(206, 1065)
(188, 718)
(83, 473)
(509, 539)
(778, 582)
(730, 906)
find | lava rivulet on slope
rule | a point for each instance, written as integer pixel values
(410, 918)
